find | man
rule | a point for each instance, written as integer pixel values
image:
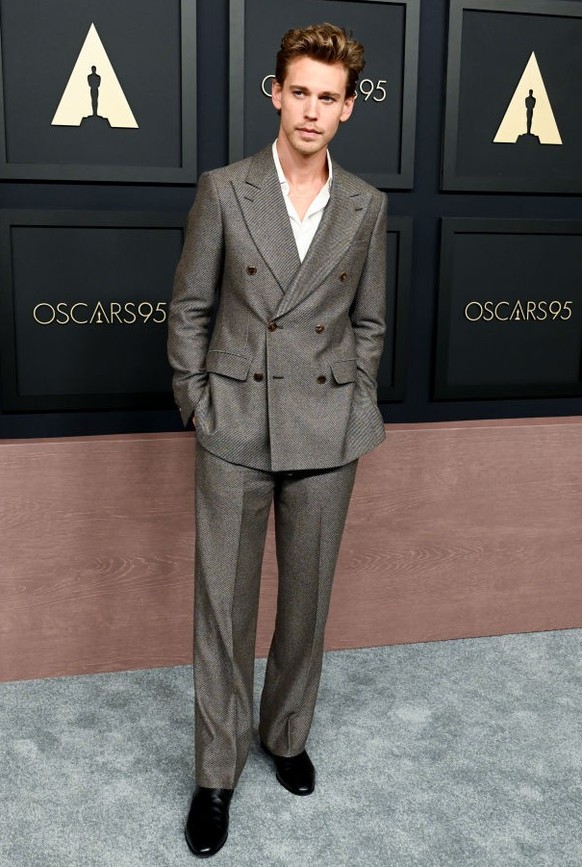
(284, 397)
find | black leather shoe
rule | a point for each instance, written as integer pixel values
(207, 823)
(295, 773)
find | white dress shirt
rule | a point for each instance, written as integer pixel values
(305, 229)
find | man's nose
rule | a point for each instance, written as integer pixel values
(311, 106)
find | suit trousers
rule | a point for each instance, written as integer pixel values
(232, 509)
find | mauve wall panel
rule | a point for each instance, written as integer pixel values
(454, 530)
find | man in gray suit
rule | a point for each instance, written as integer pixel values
(290, 250)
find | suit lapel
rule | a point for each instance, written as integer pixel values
(339, 224)
(261, 201)
(267, 220)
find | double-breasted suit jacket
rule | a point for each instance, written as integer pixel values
(286, 377)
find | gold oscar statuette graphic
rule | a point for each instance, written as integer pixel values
(93, 94)
(529, 117)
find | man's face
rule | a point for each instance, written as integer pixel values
(312, 102)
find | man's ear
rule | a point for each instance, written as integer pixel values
(347, 109)
(276, 90)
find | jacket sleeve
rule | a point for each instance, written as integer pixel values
(196, 283)
(368, 310)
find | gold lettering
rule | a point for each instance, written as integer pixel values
(473, 318)
(114, 311)
(145, 310)
(103, 313)
(263, 85)
(488, 308)
(497, 306)
(73, 317)
(61, 309)
(99, 315)
(517, 313)
(555, 309)
(161, 309)
(44, 321)
(129, 308)
(568, 310)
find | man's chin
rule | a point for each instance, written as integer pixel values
(309, 147)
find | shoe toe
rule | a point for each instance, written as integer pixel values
(295, 773)
(206, 828)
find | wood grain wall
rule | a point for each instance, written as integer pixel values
(455, 529)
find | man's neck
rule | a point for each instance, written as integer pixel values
(302, 169)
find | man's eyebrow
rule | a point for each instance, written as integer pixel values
(306, 90)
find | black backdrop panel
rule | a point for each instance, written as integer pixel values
(84, 309)
(377, 142)
(510, 313)
(491, 44)
(151, 47)
(392, 369)
(426, 203)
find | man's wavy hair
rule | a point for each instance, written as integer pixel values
(324, 42)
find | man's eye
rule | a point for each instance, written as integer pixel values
(297, 93)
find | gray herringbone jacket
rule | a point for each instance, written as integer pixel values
(286, 379)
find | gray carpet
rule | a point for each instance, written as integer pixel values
(450, 753)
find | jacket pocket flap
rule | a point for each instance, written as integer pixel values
(344, 371)
(228, 364)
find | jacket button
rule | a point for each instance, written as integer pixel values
(319, 329)
(344, 276)
(272, 326)
(251, 270)
(322, 379)
(258, 377)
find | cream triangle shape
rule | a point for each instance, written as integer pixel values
(75, 102)
(544, 123)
